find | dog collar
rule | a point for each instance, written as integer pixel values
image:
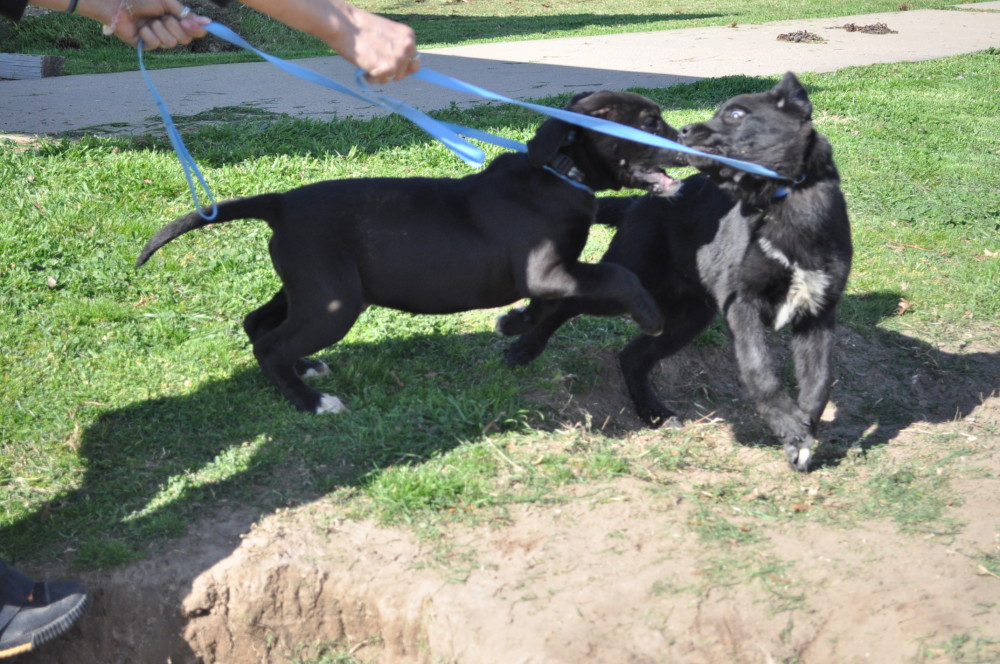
(782, 191)
(563, 167)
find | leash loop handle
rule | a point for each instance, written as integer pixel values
(188, 164)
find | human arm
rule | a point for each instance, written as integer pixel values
(384, 49)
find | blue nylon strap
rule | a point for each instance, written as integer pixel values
(486, 137)
(593, 123)
(446, 133)
(188, 163)
(469, 153)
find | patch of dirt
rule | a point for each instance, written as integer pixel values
(613, 573)
(801, 36)
(873, 29)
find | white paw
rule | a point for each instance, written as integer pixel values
(330, 404)
(802, 458)
(320, 369)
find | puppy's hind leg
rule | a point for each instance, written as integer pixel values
(312, 324)
(261, 321)
(609, 283)
(640, 356)
(530, 344)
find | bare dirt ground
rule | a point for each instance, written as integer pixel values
(613, 572)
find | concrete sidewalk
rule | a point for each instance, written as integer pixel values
(525, 69)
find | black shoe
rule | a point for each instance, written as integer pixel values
(34, 613)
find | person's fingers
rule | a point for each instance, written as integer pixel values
(174, 7)
(175, 28)
(394, 70)
(379, 78)
(412, 65)
(149, 39)
(165, 35)
(194, 25)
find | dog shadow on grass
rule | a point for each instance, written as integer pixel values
(171, 483)
(885, 380)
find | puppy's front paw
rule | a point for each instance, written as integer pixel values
(514, 322)
(330, 404)
(521, 352)
(657, 415)
(800, 454)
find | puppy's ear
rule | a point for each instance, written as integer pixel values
(554, 134)
(597, 103)
(545, 144)
(791, 94)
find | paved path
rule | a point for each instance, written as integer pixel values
(523, 69)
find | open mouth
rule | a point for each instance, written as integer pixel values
(656, 180)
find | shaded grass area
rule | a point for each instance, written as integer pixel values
(133, 405)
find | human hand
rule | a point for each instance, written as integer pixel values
(159, 23)
(384, 49)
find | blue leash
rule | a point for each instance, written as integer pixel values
(593, 123)
(188, 163)
(445, 132)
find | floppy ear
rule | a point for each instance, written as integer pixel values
(790, 94)
(552, 135)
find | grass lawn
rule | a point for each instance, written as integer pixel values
(132, 403)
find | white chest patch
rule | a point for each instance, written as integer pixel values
(807, 292)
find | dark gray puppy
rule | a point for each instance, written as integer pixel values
(444, 245)
(761, 252)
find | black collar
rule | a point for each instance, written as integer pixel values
(564, 167)
(782, 191)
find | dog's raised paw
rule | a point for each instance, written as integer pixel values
(312, 368)
(800, 462)
(330, 404)
(514, 322)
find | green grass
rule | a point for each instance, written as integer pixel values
(133, 406)
(436, 23)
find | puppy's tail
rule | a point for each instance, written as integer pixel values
(265, 206)
(611, 209)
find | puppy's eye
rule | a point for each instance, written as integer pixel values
(650, 123)
(735, 114)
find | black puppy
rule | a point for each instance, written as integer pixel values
(442, 245)
(761, 252)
